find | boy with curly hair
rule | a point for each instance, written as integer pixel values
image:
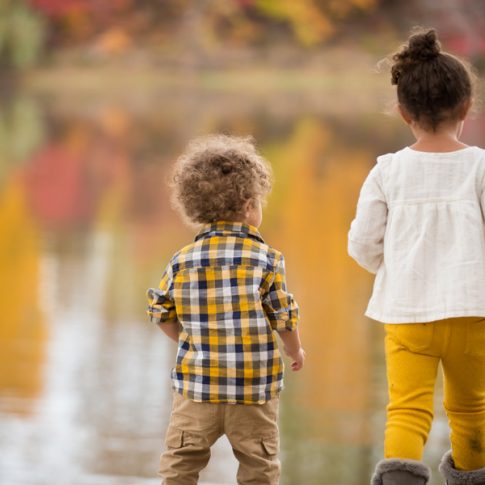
(222, 298)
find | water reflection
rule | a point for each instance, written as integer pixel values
(23, 332)
(86, 226)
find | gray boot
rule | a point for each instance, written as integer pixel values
(460, 477)
(396, 471)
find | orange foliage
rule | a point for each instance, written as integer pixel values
(113, 41)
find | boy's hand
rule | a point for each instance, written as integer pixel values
(297, 357)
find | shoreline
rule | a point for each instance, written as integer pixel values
(256, 79)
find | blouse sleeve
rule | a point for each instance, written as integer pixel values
(366, 235)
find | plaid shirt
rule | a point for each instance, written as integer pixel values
(228, 292)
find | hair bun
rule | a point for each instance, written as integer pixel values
(424, 46)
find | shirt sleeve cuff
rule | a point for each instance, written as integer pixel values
(284, 320)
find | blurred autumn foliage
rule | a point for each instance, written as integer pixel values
(235, 21)
(169, 31)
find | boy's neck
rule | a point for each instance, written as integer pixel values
(239, 221)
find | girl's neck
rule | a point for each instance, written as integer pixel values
(444, 139)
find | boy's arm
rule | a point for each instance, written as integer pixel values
(171, 330)
(366, 235)
(161, 307)
(293, 348)
(283, 314)
(279, 305)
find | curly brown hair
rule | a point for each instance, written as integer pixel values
(216, 176)
(432, 86)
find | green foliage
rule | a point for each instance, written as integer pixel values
(309, 23)
(22, 34)
(312, 21)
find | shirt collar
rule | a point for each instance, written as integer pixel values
(226, 228)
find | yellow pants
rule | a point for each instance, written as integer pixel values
(413, 353)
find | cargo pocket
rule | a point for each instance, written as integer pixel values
(416, 337)
(177, 438)
(270, 444)
(174, 438)
(475, 337)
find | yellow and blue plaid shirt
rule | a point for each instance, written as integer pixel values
(228, 292)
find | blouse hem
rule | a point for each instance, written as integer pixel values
(423, 318)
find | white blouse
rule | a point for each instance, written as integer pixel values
(420, 227)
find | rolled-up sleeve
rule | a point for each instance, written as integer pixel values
(279, 305)
(161, 306)
(366, 235)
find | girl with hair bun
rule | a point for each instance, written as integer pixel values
(420, 228)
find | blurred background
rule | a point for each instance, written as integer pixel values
(97, 98)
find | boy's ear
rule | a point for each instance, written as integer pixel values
(404, 114)
(247, 206)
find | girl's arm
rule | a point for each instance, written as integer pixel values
(366, 236)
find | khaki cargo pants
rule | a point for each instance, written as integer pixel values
(194, 427)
